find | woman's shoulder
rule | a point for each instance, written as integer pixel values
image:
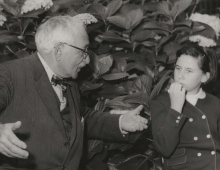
(211, 100)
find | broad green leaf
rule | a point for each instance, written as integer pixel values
(4, 39)
(159, 86)
(142, 35)
(138, 98)
(25, 24)
(170, 49)
(208, 32)
(20, 1)
(130, 66)
(97, 8)
(127, 85)
(11, 3)
(33, 14)
(152, 24)
(127, 8)
(118, 103)
(31, 45)
(14, 10)
(113, 6)
(187, 23)
(163, 9)
(114, 76)
(182, 38)
(134, 17)
(4, 32)
(104, 63)
(120, 21)
(94, 147)
(111, 36)
(22, 54)
(94, 65)
(120, 64)
(87, 86)
(120, 146)
(162, 58)
(142, 84)
(182, 29)
(67, 3)
(179, 6)
(150, 6)
(162, 41)
(198, 1)
(101, 105)
(148, 43)
(111, 91)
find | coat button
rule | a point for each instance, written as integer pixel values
(203, 117)
(195, 138)
(208, 136)
(178, 117)
(191, 119)
(213, 152)
(177, 121)
(199, 154)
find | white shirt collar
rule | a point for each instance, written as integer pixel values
(49, 72)
(194, 98)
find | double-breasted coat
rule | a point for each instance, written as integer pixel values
(26, 95)
(190, 140)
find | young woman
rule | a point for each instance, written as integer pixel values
(185, 120)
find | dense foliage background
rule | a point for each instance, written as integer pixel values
(134, 45)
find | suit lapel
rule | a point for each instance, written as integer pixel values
(45, 91)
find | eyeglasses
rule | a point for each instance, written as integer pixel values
(85, 51)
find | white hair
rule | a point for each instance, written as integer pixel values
(55, 30)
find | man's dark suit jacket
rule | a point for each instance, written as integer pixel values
(26, 95)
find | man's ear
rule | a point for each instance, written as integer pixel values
(58, 51)
(205, 77)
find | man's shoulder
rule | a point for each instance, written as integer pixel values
(19, 64)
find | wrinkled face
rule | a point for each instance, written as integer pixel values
(188, 73)
(72, 59)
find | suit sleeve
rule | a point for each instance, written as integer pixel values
(100, 125)
(6, 87)
(219, 119)
(166, 126)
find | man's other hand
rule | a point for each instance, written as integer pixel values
(10, 145)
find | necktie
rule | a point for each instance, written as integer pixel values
(62, 82)
(65, 112)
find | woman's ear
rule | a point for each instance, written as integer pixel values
(58, 51)
(205, 77)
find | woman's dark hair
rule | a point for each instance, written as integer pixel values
(207, 59)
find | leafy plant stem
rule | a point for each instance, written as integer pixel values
(10, 49)
(20, 26)
(194, 8)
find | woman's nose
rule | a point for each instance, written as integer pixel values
(181, 74)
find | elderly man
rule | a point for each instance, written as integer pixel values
(41, 113)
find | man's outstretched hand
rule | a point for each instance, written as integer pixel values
(10, 145)
(131, 121)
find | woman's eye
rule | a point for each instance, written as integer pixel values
(188, 71)
(177, 68)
